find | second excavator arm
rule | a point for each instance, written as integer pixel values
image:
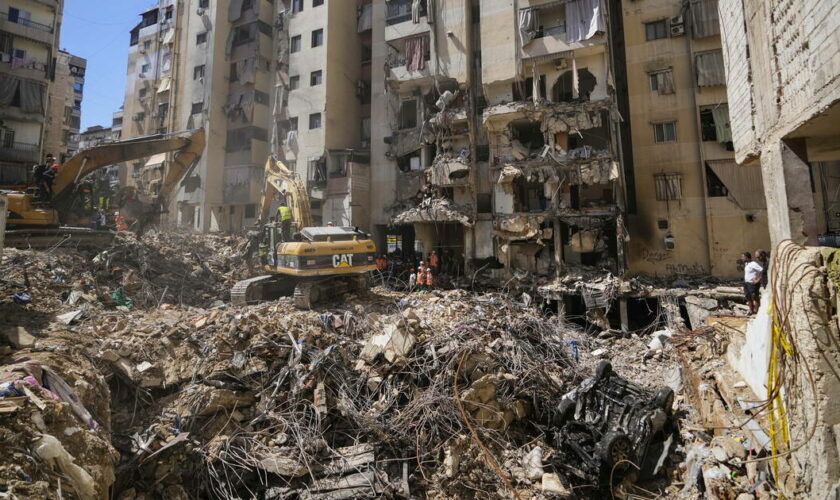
(278, 178)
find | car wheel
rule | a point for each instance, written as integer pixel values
(614, 448)
(604, 369)
(664, 399)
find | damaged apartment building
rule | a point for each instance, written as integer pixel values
(282, 77)
(501, 133)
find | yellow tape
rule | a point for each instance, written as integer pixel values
(778, 430)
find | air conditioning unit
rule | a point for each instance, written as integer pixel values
(141, 75)
(677, 24)
(199, 11)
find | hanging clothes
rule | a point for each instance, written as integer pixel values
(583, 20)
(575, 83)
(32, 97)
(535, 83)
(529, 20)
(710, 70)
(8, 87)
(415, 11)
(416, 48)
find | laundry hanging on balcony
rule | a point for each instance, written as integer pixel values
(32, 97)
(415, 52)
(583, 20)
(529, 21)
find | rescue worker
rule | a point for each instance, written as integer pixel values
(421, 275)
(330, 224)
(43, 175)
(434, 261)
(381, 263)
(429, 278)
(284, 215)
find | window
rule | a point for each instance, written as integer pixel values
(408, 114)
(5, 42)
(203, 4)
(246, 5)
(656, 30)
(365, 129)
(147, 44)
(197, 107)
(8, 138)
(145, 68)
(234, 76)
(707, 125)
(317, 3)
(198, 72)
(297, 6)
(78, 87)
(318, 38)
(714, 186)
(294, 82)
(295, 44)
(662, 82)
(168, 14)
(244, 34)
(314, 121)
(668, 187)
(250, 211)
(293, 123)
(665, 132)
(260, 97)
(163, 109)
(201, 38)
(399, 11)
(19, 53)
(142, 93)
(315, 78)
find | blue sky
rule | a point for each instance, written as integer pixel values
(97, 30)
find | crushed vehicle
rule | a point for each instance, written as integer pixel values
(609, 427)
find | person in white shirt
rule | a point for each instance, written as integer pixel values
(752, 281)
(412, 280)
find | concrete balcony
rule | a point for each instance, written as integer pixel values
(18, 151)
(403, 74)
(27, 29)
(553, 43)
(39, 72)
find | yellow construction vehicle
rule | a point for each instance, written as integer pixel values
(317, 264)
(36, 223)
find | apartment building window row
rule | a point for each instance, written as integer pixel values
(665, 132)
(315, 78)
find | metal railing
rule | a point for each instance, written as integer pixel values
(19, 146)
(27, 22)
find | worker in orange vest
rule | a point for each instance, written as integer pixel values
(434, 261)
(429, 281)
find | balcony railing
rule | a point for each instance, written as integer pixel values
(27, 22)
(19, 151)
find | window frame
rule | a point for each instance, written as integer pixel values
(315, 116)
(402, 118)
(199, 71)
(295, 44)
(200, 110)
(663, 125)
(317, 38)
(145, 67)
(293, 123)
(654, 34)
(317, 3)
(201, 38)
(294, 82)
(316, 75)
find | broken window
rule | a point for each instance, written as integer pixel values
(201, 38)
(668, 187)
(662, 82)
(656, 30)
(408, 114)
(563, 90)
(314, 121)
(294, 45)
(525, 91)
(665, 132)
(317, 38)
(530, 196)
(315, 78)
(528, 136)
(198, 72)
(483, 203)
(714, 186)
(410, 161)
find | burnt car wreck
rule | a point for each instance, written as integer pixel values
(609, 428)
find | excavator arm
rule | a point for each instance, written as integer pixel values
(187, 145)
(279, 179)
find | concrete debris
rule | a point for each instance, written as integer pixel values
(435, 210)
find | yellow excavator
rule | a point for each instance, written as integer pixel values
(33, 223)
(317, 263)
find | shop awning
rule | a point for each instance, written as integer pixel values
(156, 160)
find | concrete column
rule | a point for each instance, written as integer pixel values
(561, 311)
(791, 212)
(622, 311)
(558, 249)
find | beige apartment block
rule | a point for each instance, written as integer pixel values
(696, 210)
(29, 34)
(65, 106)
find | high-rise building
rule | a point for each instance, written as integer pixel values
(29, 34)
(694, 209)
(65, 106)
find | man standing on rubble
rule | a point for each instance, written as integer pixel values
(434, 261)
(284, 215)
(752, 281)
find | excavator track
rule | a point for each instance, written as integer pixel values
(61, 236)
(249, 291)
(312, 292)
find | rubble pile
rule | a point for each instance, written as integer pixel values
(176, 268)
(357, 400)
